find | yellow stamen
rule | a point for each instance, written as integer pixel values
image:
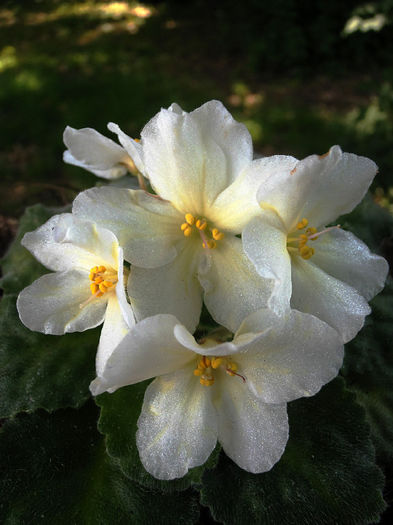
(217, 235)
(187, 231)
(298, 243)
(302, 224)
(306, 252)
(201, 224)
(190, 219)
(206, 361)
(184, 226)
(216, 362)
(102, 280)
(210, 244)
(206, 366)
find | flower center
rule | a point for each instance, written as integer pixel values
(206, 366)
(102, 280)
(297, 242)
(208, 234)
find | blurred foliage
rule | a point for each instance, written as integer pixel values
(302, 75)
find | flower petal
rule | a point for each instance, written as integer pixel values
(252, 433)
(148, 350)
(234, 139)
(342, 255)
(114, 329)
(133, 148)
(53, 304)
(66, 241)
(294, 359)
(233, 289)
(183, 166)
(121, 296)
(319, 188)
(265, 243)
(170, 289)
(93, 149)
(336, 303)
(177, 428)
(117, 171)
(238, 203)
(147, 227)
(210, 347)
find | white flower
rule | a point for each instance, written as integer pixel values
(184, 242)
(234, 392)
(321, 270)
(92, 151)
(87, 288)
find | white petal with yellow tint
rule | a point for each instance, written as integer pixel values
(319, 188)
(121, 295)
(66, 242)
(133, 147)
(92, 150)
(253, 434)
(115, 172)
(317, 293)
(184, 165)
(265, 243)
(147, 227)
(232, 287)
(114, 329)
(293, 359)
(218, 125)
(148, 350)
(238, 203)
(54, 304)
(342, 255)
(209, 347)
(170, 289)
(177, 428)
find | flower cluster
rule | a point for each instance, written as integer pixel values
(253, 240)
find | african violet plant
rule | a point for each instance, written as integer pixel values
(252, 245)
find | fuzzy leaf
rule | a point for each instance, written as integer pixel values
(118, 422)
(326, 475)
(55, 470)
(368, 369)
(19, 267)
(42, 371)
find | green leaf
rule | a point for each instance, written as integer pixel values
(55, 471)
(42, 371)
(19, 267)
(368, 369)
(326, 475)
(118, 422)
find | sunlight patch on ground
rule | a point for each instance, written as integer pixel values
(365, 18)
(8, 58)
